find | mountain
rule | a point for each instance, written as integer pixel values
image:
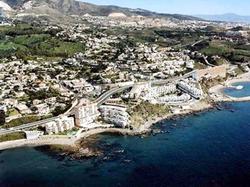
(4, 6)
(226, 17)
(73, 7)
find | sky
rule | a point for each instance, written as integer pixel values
(188, 7)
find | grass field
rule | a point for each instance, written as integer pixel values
(13, 136)
(27, 42)
(231, 51)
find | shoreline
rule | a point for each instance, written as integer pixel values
(215, 92)
(74, 142)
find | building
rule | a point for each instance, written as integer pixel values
(86, 115)
(3, 108)
(78, 85)
(60, 125)
(32, 135)
(237, 33)
(116, 115)
(23, 109)
(190, 88)
(174, 99)
(42, 109)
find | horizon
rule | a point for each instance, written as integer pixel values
(191, 7)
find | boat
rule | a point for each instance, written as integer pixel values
(240, 87)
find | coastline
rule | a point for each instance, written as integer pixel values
(215, 92)
(74, 141)
(63, 140)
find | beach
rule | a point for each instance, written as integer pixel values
(63, 139)
(218, 95)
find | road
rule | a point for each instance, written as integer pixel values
(27, 126)
(109, 93)
(98, 101)
(191, 44)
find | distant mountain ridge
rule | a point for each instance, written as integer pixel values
(74, 7)
(230, 17)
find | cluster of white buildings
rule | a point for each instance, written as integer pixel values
(174, 99)
(86, 114)
(139, 61)
(158, 91)
(119, 19)
(175, 93)
(60, 125)
(18, 80)
(191, 88)
(116, 115)
(77, 85)
(239, 33)
(147, 61)
(168, 94)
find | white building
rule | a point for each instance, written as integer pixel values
(43, 109)
(23, 109)
(190, 88)
(32, 135)
(86, 115)
(60, 125)
(116, 115)
(172, 99)
(158, 91)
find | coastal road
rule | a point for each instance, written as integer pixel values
(27, 126)
(109, 93)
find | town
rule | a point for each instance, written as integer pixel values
(122, 93)
(109, 71)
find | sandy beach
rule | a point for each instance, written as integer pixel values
(62, 139)
(217, 94)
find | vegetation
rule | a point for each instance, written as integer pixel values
(207, 84)
(2, 117)
(13, 136)
(233, 52)
(43, 94)
(21, 121)
(60, 110)
(12, 112)
(26, 42)
(146, 111)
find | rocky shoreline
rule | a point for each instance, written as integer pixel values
(86, 147)
(81, 147)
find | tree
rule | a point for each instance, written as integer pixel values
(58, 110)
(16, 88)
(2, 117)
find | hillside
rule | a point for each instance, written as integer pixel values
(73, 7)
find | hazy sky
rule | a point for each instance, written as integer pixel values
(190, 7)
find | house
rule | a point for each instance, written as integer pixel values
(23, 109)
(116, 115)
(42, 109)
(10, 102)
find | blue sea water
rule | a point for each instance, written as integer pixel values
(238, 93)
(208, 149)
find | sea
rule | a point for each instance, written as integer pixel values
(207, 149)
